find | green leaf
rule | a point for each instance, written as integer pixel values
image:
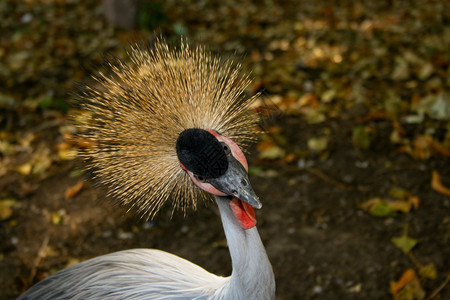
(404, 242)
(179, 29)
(362, 136)
(314, 116)
(428, 271)
(382, 209)
(255, 170)
(318, 144)
(274, 152)
(45, 102)
(398, 192)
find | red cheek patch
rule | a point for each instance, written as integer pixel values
(203, 185)
(244, 213)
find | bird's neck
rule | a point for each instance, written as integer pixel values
(252, 276)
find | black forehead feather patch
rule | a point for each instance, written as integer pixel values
(201, 153)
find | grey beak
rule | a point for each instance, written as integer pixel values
(235, 183)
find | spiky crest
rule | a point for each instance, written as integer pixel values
(140, 107)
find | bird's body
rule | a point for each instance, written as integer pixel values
(155, 274)
(164, 126)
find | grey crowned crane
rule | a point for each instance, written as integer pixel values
(167, 125)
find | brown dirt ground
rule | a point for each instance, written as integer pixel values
(321, 245)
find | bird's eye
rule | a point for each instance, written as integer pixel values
(200, 178)
(226, 148)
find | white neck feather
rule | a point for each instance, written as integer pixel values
(252, 276)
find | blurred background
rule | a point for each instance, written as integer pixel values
(353, 168)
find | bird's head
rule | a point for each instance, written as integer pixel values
(217, 165)
(162, 108)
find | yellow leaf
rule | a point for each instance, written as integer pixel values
(56, 218)
(436, 184)
(5, 209)
(428, 271)
(404, 242)
(24, 169)
(415, 201)
(308, 100)
(400, 205)
(314, 116)
(387, 208)
(398, 192)
(72, 191)
(72, 261)
(318, 144)
(272, 153)
(328, 95)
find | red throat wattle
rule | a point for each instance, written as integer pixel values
(244, 212)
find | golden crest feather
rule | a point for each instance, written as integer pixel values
(140, 107)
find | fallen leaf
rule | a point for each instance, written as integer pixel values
(318, 144)
(72, 261)
(440, 110)
(6, 208)
(382, 209)
(25, 169)
(439, 148)
(415, 201)
(400, 205)
(57, 216)
(436, 184)
(272, 153)
(425, 71)
(428, 271)
(362, 136)
(404, 242)
(309, 100)
(72, 191)
(407, 277)
(328, 95)
(408, 287)
(265, 144)
(6, 148)
(422, 147)
(314, 116)
(291, 157)
(268, 149)
(398, 192)
(378, 207)
(401, 69)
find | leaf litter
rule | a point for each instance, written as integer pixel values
(315, 63)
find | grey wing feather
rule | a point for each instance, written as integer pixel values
(130, 274)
